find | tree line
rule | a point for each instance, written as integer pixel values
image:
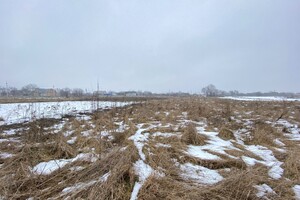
(32, 90)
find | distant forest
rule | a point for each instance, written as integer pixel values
(32, 90)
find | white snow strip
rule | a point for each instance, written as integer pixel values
(293, 129)
(122, 127)
(135, 191)
(20, 112)
(72, 140)
(250, 161)
(139, 139)
(280, 150)
(264, 190)
(160, 134)
(9, 140)
(243, 98)
(82, 186)
(296, 189)
(46, 168)
(142, 170)
(240, 134)
(86, 133)
(58, 127)
(68, 133)
(293, 136)
(200, 174)
(84, 117)
(76, 168)
(163, 145)
(104, 134)
(6, 155)
(270, 161)
(215, 144)
(198, 152)
(10, 132)
(279, 143)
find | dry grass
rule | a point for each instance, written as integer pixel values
(238, 186)
(38, 143)
(191, 136)
(226, 134)
(292, 164)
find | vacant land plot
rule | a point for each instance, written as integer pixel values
(179, 148)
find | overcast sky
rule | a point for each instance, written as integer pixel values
(157, 45)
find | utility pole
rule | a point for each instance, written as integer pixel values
(6, 89)
(97, 93)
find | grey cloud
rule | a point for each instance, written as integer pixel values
(151, 45)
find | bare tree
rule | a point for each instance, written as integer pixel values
(65, 92)
(77, 92)
(30, 90)
(210, 91)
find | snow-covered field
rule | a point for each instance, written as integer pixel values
(244, 98)
(176, 149)
(20, 112)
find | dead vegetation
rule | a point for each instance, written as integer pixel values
(191, 136)
(171, 127)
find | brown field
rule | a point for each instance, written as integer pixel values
(107, 154)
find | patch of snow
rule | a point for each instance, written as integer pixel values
(142, 170)
(46, 168)
(253, 98)
(184, 115)
(9, 140)
(163, 145)
(82, 186)
(72, 140)
(293, 129)
(264, 190)
(200, 174)
(107, 134)
(21, 112)
(279, 143)
(86, 133)
(296, 190)
(250, 161)
(280, 150)
(6, 155)
(123, 148)
(83, 117)
(215, 144)
(68, 133)
(139, 140)
(160, 134)
(198, 152)
(240, 134)
(76, 168)
(270, 161)
(10, 132)
(122, 127)
(135, 191)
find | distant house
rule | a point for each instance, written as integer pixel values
(111, 93)
(47, 92)
(131, 94)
